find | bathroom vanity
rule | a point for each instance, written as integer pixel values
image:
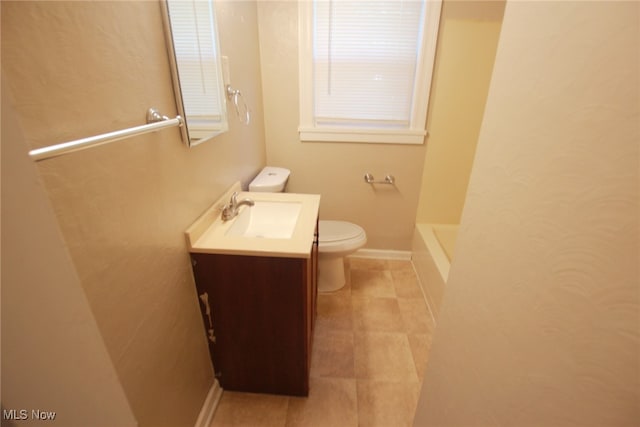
(256, 278)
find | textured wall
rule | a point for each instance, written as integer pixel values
(541, 316)
(334, 170)
(46, 319)
(77, 69)
(466, 51)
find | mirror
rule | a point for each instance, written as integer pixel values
(196, 65)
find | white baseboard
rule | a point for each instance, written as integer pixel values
(209, 406)
(382, 254)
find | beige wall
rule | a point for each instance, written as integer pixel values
(52, 351)
(540, 320)
(77, 69)
(467, 42)
(334, 170)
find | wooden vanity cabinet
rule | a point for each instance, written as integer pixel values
(262, 311)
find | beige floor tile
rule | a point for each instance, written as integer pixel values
(396, 264)
(376, 314)
(372, 283)
(332, 354)
(383, 356)
(344, 291)
(420, 347)
(387, 404)
(368, 264)
(334, 312)
(415, 315)
(250, 410)
(332, 402)
(406, 284)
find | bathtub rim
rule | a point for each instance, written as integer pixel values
(440, 259)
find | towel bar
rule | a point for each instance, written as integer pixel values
(389, 179)
(155, 122)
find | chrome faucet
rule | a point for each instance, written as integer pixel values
(230, 210)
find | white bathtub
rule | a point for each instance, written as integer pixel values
(433, 248)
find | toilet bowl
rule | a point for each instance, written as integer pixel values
(336, 239)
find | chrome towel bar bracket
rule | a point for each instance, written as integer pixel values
(389, 179)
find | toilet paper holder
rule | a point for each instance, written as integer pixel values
(389, 179)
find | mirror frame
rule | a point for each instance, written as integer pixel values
(175, 78)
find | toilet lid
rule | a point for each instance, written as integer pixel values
(332, 231)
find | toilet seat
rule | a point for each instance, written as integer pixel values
(340, 236)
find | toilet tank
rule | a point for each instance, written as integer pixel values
(270, 180)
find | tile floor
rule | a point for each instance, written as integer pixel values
(370, 350)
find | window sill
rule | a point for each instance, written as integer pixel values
(378, 136)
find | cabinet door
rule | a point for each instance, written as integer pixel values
(204, 290)
(258, 310)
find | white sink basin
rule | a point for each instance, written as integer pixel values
(269, 220)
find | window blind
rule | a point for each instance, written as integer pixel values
(192, 24)
(365, 55)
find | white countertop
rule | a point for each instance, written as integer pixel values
(208, 234)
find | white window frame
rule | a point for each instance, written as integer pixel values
(414, 134)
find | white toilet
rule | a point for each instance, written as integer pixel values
(337, 239)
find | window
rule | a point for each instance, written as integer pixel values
(365, 69)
